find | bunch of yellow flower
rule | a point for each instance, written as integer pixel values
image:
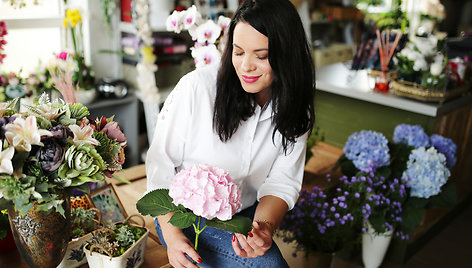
(73, 17)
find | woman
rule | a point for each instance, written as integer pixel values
(252, 118)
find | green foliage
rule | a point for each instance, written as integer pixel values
(78, 111)
(237, 224)
(108, 148)
(116, 239)
(82, 221)
(4, 225)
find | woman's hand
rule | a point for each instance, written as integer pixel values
(177, 246)
(258, 241)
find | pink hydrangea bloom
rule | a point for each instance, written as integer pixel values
(208, 191)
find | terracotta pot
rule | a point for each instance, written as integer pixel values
(41, 238)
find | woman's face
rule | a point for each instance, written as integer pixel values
(251, 61)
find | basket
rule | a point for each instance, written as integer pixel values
(133, 257)
(418, 92)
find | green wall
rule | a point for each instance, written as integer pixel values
(338, 117)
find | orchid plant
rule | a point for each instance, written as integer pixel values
(200, 191)
(49, 147)
(206, 34)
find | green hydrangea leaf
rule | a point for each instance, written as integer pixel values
(182, 219)
(446, 198)
(156, 203)
(412, 217)
(238, 224)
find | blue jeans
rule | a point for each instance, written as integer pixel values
(215, 249)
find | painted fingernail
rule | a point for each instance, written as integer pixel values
(199, 260)
(250, 234)
(234, 238)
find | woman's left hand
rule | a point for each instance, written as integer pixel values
(258, 241)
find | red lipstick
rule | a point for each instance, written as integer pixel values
(250, 79)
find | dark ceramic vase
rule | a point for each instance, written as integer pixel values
(41, 237)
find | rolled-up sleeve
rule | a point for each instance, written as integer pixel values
(167, 149)
(286, 175)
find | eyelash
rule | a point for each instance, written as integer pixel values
(240, 54)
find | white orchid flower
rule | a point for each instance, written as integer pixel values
(208, 32)
(23, 133)
(83, 135)
(191, 17)
(206, 55)
(6, 165)
(175, 22)
(223, 22)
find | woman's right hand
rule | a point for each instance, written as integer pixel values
(178, 245)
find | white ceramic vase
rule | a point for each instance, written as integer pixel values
(133, 257)
(374, 247)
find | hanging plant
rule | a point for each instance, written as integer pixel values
(108, 9)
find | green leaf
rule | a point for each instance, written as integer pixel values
(155, 203)
(4, 204)
(383, 172)
(238, 224)
(416, 202)
(85, 188)
(446, 198)
(120, 179)
(412, 216)
(182, 219)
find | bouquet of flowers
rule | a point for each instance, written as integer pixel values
(81, 73)
(200, 191)
(207, 34)
(413, 163)
(49, 147)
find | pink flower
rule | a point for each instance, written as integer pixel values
(208, 191)
(63, 55)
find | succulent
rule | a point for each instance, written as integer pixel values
(82, 164)
(82, 221)
(115, 239)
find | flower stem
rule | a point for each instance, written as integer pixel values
(78, 57)
(198, 231)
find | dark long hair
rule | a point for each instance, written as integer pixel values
(293, 84)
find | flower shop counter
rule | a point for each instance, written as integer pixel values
(339, 79)
(345, 103)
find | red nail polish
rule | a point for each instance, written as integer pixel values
(250, 234)
(234, 238)
(199, 260)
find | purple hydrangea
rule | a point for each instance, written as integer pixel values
(413, 135)
(367, 149)
(426, 171)
(445, 146)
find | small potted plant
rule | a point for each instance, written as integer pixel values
(84, 221)
(118, 245)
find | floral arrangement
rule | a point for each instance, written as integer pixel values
(65, 60)
(12, 86)
(417, 164)
(200, 191)
(3, 32)
(207, 34)
(115, 239)
(48, 147)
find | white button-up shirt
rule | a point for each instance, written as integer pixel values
(184, 136)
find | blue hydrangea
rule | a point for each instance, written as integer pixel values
(426, 171)
(445, 146)
(412, 135)
(367, 149)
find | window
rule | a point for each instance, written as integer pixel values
(35, 32)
